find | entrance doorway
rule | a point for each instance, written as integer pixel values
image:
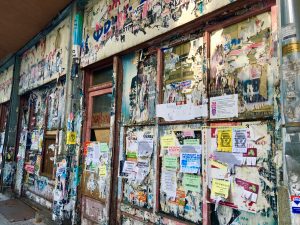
(97, 156)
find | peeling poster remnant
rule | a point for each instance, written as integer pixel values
(47, 60)
(181, 189)
(138, 188)
(245, 182)
(241, 63)
(185, 79)
(113, 25)
(139, 87)
(6, 84)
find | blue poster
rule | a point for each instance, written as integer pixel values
(190, 162)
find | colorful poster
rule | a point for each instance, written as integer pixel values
(71, 138)
(190, 162)
(191, 182)
(225, 140)
(167, 141)
(220, 188)
(104, 147)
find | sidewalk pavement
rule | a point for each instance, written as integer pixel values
(5, 221)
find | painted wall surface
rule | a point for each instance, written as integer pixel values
(47, 60)
(6, 84)
(113, 26)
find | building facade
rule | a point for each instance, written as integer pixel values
(157, 112)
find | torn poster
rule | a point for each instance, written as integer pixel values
(139, 85)
(224, 107)
(145, 147)
(169, 183)
(191, 182)
(239, 140)
(185, 80)
(250, 190)
(225, 140)
(190, 162)
(242, 63)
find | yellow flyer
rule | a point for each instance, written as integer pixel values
(220, 188)
(71, 138)
(225, 140)
(167, 141)
(102, 171)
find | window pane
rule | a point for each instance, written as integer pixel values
(100, 135)
(102, 76)
(47, 167)
(101, 111)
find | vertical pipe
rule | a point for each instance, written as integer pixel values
(290, 97)
(290, 62)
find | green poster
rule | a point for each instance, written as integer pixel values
(170, 162)
(191, 182)
(191, 142)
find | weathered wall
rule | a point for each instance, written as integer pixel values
(6, 83)
(113, 26)
(47, 60)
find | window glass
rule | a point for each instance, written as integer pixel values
(101, 111)
(102, 76)
(48, 154)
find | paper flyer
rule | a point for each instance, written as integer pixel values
(224, 106)
(225, 140)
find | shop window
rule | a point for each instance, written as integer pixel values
(48, 154)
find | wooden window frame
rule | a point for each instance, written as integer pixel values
(47, 136)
